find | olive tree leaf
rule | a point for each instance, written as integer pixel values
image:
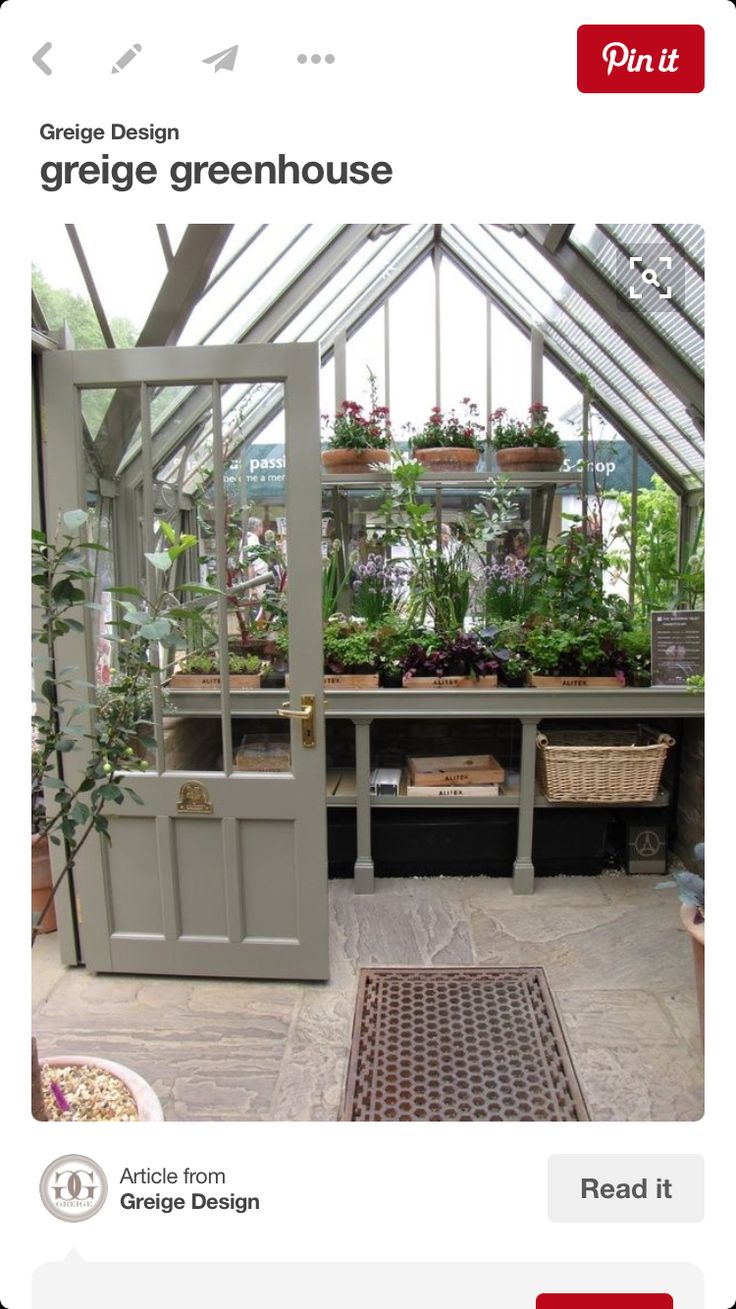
(75, 518)
(160, 559)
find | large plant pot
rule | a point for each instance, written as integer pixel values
(147, 1102)
(354, 461)
(42, 881)
(697, 936)
(529, 459)
(448, 458)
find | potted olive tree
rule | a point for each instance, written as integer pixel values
(67, 717)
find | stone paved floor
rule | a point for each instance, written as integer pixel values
(617, 960)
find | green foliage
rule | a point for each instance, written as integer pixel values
(440, 575)
(249, 664)
(207, 663)
(335, 578)
(657, 582)
(349, 646)
(590, 649)
(569, 579)
(61, 306)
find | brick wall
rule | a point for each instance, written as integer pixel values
(690, 821)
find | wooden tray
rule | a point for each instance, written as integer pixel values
(449, 683)
(213, 681)
(575, 683)
(347, 681)
(455, 770)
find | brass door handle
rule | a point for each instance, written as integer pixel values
(305, 716)
(285, 712)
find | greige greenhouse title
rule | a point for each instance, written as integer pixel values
(124, 174)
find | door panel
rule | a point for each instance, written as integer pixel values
(222, 870)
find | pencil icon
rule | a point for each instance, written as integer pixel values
(125, 59)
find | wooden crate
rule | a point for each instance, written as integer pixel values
(347, 681)
(449, 792)
(455, 770)
(575, 683)
(449, 683)
(213, 681)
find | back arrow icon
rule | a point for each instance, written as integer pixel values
(38, 59)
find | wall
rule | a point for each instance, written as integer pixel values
(690, 800)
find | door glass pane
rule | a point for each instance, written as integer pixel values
(240, 562)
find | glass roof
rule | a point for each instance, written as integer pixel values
(620, 307)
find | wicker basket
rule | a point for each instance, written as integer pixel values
(614, 767)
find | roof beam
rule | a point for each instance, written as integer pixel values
(274, 319)
(372, 299)
(609, 413)
(92, 291)
(564, 308)
(557, 233)
(184, 283)
(602, 296)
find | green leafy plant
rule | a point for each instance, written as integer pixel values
(440, 574)
(592, 650)
(657, 582)
(249, 664)
(443, 430)
(67, 716)
(349, 646)
(535, 431)
(335, 578)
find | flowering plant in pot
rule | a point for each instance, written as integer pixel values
(356, 440)
(510, 591)
(375, 585)
(530, 445)
(449, 442)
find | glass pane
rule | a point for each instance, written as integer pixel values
(254, 587)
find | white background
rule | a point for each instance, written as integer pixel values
(476, 107)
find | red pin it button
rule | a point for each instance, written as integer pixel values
(614, 1301)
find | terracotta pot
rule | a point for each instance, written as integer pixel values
(530, 459)
(448, 458)
(353, 461)
(697, 936)
(42, 881)
(147, 1102)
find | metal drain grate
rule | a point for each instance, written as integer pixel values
(459, 1044)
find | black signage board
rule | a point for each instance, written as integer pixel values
(678, 646)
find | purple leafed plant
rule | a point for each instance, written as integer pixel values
(462, 655)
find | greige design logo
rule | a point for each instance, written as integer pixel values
(73, 1188)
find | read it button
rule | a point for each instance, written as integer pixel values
(604, 1302)
(626, 1188)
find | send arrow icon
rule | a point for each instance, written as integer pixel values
(223, 59)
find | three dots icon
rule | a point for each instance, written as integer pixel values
(315, 59)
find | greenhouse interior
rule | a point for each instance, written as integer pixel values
(367, 752)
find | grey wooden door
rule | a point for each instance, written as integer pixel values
(223, 869)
